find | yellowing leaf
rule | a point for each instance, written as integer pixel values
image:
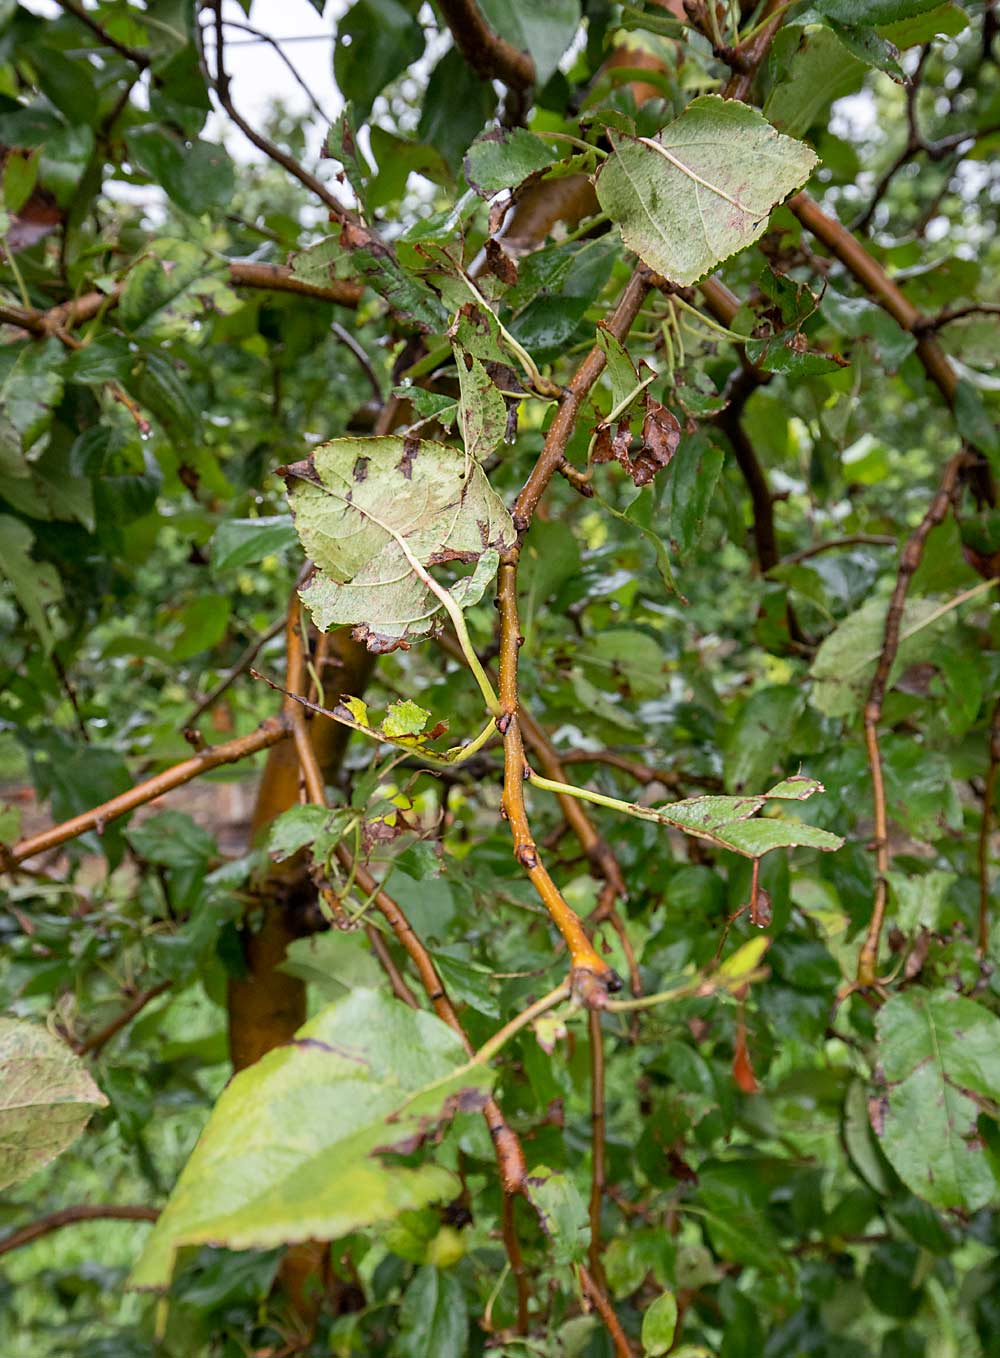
(375, 514)
(703, 188)
(46, 1098)
(291, 1150)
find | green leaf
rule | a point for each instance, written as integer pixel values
(35, 583)
(242, 542)
(376, 41)
(920, 900)
(874, 11)
(291, 1150)
(733, 822)
(433, 1317)
(376, 264)
(173, 840)
(975, 422)
(844, 664)
(744, 961)
(33, 388)
(502, 159)
(482, 410)
(815, 69)
(404, 718)
(198, 175)
(760, 736)
(375, 515)
(297, 827)
(653, 540)
(703, 188)
(562, 1214)
(342, 145)
(46, 1098)
(869, 46)
(457, 106)
(692, 479)
(19, 175)
(161, 284)
(659, 1323)
(940, 1055)
(545, 28)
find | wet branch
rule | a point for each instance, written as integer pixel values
(268, 733)
(489, 55)
(68, 1216)
(909, 561)
(986, 827)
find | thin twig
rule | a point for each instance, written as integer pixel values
(506, 1144)
(270, 732)
(347, 339)
(140, 59)
(103, 1036)
(958, 313)
(245, 660)
(220, 83)
(597, 1132)
(986, 827)
(910, 559)
(834, 544)
(603, 1307)
(68, 1216)
(274, 42)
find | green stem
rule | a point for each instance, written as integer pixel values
(503, 1035)
(598, 798)
(709, 323)
(586, 226)
(18, 277)
(574, 141)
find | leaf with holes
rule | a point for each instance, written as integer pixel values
(46, 1098)
(292, 1149)
(375, 515)
(703, 188)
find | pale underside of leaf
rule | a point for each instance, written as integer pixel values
(46, 1097)
(375, 515)
(292, 1149)
(703, 189)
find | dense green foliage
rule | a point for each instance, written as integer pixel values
(792, 1150)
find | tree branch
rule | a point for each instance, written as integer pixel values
(220, 83)
(103, 1036)
(489, 55)
(68, 1216)
(909, 561)
(268, 733)
(592, 977)
(985, 828)
(140, 59)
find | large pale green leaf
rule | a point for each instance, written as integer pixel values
(46, 1098)
(703, 188)
(375, 514)
(291, 1150)
(940, 1057)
